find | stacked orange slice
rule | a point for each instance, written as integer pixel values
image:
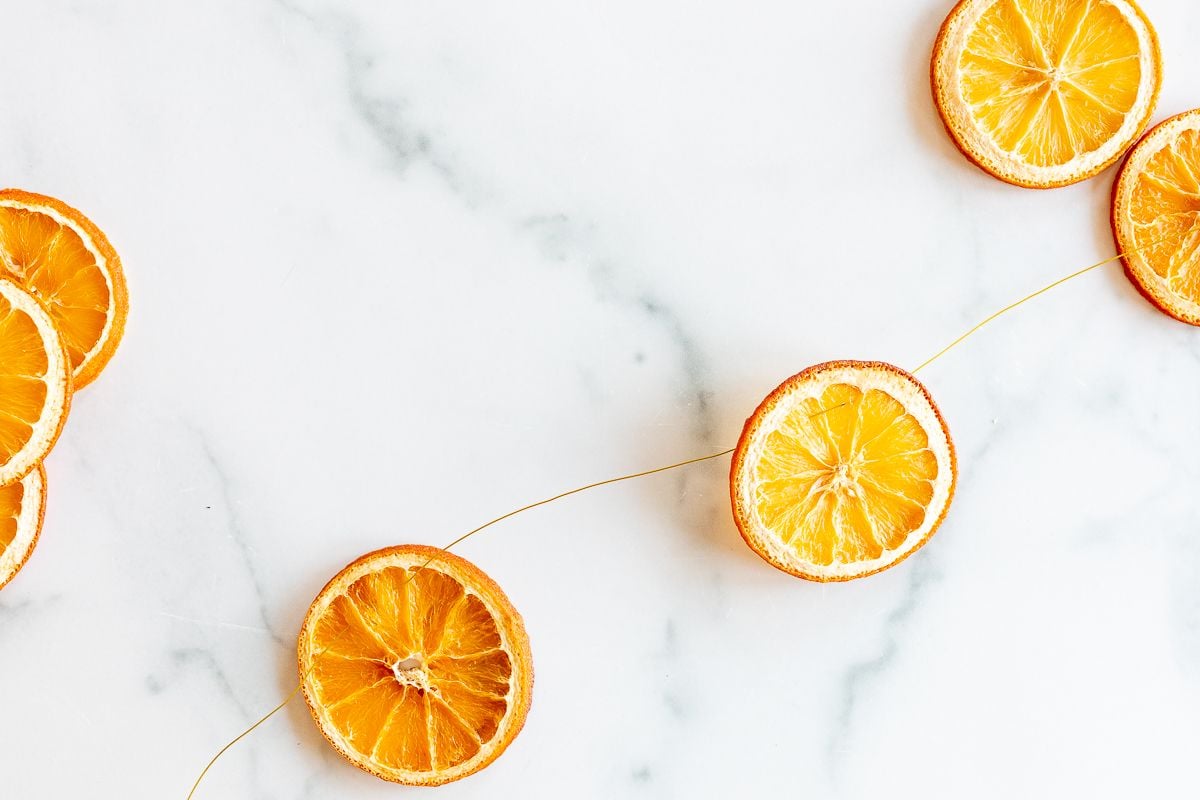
(21, 507)
(62, 312)
(65, 261)
(35, 383)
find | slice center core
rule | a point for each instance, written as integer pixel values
(841, 475)
(411, 672)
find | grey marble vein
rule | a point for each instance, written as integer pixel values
(559, 234)
(382, 113)
(240, 537)
(860, 676)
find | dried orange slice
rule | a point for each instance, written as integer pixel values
(21, 507)
(35, 383)
(843, 471)
(66, 262)
(1156, 216)
(415, 665)
(1043, 93)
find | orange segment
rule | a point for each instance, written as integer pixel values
(415, 665)
(406, 747)
(21, 507)
(843, 471)
(478, 709)
(35, 387)
(63, 259)
(1156, 216)
(1043, 93)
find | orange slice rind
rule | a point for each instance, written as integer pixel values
(844, 470)
(22, 505)
(1044, 93)
(63, 259)
(1156, 216)
(415, 666)
(35, 383)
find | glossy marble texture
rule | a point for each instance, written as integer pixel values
(397, 268)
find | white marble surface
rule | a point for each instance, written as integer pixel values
(397, 268)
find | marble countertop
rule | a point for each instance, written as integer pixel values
(398, 268)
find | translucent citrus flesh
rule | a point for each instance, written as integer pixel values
(411, 672)
(1051, 80)
(23, 368)
(845, 476)
(1164, 206)
(52, 262)
(10, 510)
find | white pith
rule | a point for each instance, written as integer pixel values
(864, 377)
(977, 141)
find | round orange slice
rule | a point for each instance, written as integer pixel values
(1044, 93)
(66, 262)
(415, 665)
(842, 471)
(1156, 216)
(35, 383)
(21, 507)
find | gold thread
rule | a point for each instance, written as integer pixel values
(645, 473)
(459, 540)
(631, 476)
(1026, 299)
(244, 734)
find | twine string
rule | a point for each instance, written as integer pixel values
(1008, 308)
(243, 735)
(644, 473)
(292, 694)
(1029, 297)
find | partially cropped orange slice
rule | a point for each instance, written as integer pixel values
(843, 471)
(65, 261)
(35, 383)
(1156, 216)
(415, 665)
(21, 507)
(1043, 93)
